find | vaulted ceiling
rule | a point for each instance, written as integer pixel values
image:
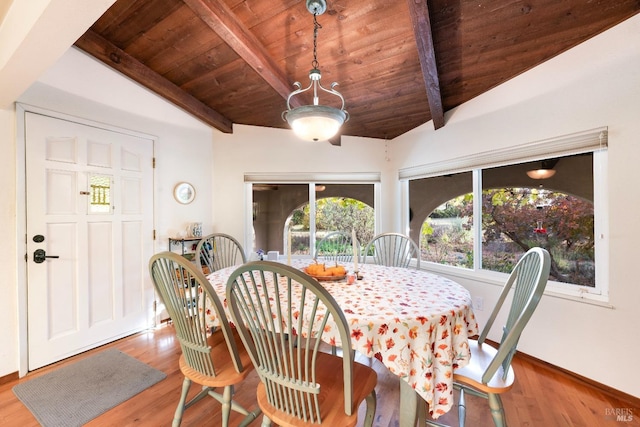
(399, 63)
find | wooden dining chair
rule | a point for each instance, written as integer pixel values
(489, 372)
(336, 247)
(216, 361)
(219, 250)
(392, 250)
(282, 314)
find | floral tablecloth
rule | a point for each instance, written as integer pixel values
(416, 323)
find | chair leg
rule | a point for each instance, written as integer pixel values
(422, 413)
(266, 422)
(371, 409)
(251, 417)
(462, 409)
(177, 418)
(226, 405)
(497, 410)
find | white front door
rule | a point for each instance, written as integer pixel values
(89, 194)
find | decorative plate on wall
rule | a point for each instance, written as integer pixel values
(184, 193)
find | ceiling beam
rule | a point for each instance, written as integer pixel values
(419, 11)
(97, 46)
(221, 19)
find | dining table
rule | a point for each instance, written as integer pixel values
(416, 323)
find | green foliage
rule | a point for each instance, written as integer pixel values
(453, 208)
(298, 217)
(446, 236)
(426, 231)
(447, 241)
(338, 214)
(513, 221)
(333, 248)
(499, 261)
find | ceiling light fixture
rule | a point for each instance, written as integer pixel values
(315, 122)
(546, 170)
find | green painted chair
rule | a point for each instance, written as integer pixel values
(281, 314)
(489, 372)
(216, 361)
(392, 250)
(336, 247)
(217, 251)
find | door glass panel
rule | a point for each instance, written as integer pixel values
(100, 194)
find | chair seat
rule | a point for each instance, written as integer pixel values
(331, 394)
(225, 371)
(471, 374)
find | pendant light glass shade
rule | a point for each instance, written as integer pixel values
(315, 122)
(541, 173)
(546, 169)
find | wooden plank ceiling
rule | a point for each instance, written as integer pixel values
(398, 63)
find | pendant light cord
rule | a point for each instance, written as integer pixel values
(316, 26)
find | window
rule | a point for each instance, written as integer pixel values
(486, 217)
(346, 213)
(280, 208)
(100, 194)
(273, 206)
(442, 211)
(555, 213)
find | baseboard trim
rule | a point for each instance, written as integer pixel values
(9, 377)
(633, 401)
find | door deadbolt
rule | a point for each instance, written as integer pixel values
(39, 256)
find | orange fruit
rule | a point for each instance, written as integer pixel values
(316, 270)
(336, 271)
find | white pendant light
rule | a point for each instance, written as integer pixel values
(315, 122)
(545, 171)
(541, 173)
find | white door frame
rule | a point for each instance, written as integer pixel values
(21, 214)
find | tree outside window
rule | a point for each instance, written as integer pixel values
(278, 208)
(332, 214)
(514, 219)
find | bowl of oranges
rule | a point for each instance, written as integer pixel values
(321, 271)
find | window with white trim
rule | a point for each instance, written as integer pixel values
(481, 213)
(281, 218)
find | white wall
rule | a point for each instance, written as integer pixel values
(596, 84)
(34, 34)
(8, 254)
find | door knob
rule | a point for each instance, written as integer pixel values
(40, 255)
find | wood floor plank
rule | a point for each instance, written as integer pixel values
(541, 396)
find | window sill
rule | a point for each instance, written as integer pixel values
(554, 289)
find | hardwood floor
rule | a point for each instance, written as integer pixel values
(542, 396)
